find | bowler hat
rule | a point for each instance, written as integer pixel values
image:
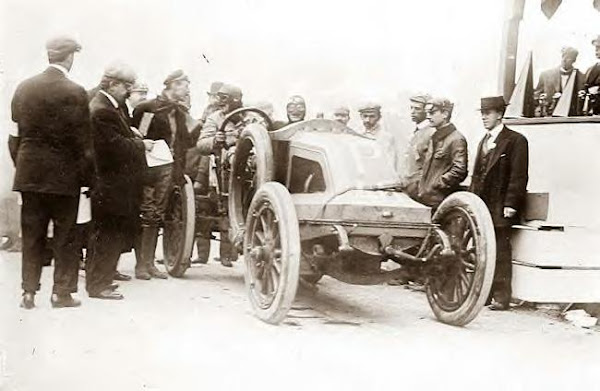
(493, 103)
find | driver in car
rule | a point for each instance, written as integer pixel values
(220, 145)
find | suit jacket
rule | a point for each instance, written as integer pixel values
(414, 158)
(444, 167)
(550, 83)
(503, 181)
(592, 76)
(55, 153)
(120, 161)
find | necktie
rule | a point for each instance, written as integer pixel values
(484, 147)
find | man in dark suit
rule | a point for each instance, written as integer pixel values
(592, 80)
(500, 178)
(53, 162)
(554, 81)
(120, 161)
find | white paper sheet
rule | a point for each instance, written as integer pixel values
(159, 155)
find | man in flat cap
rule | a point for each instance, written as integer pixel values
(120, 162)
(370, 115)
(168, 121)
(445, 163)
(138, 94)
(500, 179)
(53, 161)
(219, 144)
(553, 82)
(341, 114)
(417, 146)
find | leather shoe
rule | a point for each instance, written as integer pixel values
(28, 301)
(200, 261)
(121, 277)
(107, 294)
(63, 301)
(225, 261)
(498, 306)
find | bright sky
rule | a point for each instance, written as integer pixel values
(331, 52)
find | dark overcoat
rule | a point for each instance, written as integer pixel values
(120, 161)
(502, 180)
(54, 153)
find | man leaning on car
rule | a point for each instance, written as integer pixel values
(445, 163)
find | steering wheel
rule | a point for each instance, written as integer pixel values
(231, 116)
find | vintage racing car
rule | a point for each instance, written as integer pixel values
(316, 198)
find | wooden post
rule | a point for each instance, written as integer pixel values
(510, 42)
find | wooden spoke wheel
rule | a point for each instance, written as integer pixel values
(458, 289)
(178, 231)
(252, 167)
(272, 252)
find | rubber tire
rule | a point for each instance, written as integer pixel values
(486, 259)
(253, 135)
(184, 254)
(289, 231)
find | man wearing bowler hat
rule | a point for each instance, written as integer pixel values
(500, 179)
(53, 161)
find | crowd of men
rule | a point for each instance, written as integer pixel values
(553, 84)
(72, 139)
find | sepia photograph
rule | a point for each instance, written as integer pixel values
(299, 195)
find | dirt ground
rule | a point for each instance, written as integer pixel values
(198, 333)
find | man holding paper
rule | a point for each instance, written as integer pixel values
(163, 119)
(120, 161)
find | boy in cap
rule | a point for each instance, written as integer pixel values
(500, 179)
(169, 123)
(417, 146)
(120, 162)
(342, 114)
(445, 163)
(553, 81)
(213, 142)
(370, 115)
(53, 161)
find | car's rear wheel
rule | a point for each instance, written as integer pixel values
(458, 289)
(178, 232)
(272, 252)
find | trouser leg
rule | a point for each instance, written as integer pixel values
(35, 218)
(102, 264)
(226, 249)
(67, 257)
(502, 289)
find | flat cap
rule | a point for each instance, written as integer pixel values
(569, 51)
(369, 107)
(296, 100)
(342, 110)
(177, 75)
(215, 86)
(441, 103)
(232, 91)
(139, 87)
(120, 71)
(420, 98)
(60, 46)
